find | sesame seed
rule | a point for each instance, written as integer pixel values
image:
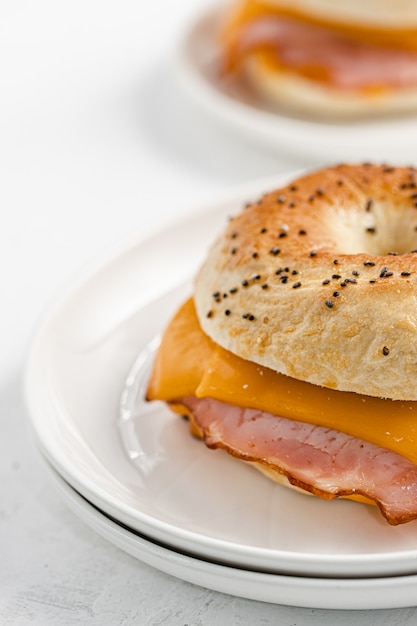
(326, 281)
(302, 232)
(384, 273)
(329, 304)
(368, 205)
(336, 294)
(281, 199)
(293, 188)
(385, 350)
(369, 263)
(233, 250)
(251, 317)
(227, 312)
(313, 253)
(275, 251)
(336, 262)
(265, 286)
(263, 230)
(292, 204)
(244, 283)
(209, 314)
(319, 191)
(371, 230)
(255, 255)
(284, 279)
(233, 290)
(336, 276)
(355, 273)
(405, 273)
(296, 285)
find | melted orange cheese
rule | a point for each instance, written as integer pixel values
(190, 363)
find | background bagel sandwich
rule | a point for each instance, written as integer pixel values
(297, 351)
(342, 59)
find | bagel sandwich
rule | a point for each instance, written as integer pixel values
(342, 59)
(297, 350)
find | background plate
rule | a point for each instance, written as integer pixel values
(170, 487)
(233, 104)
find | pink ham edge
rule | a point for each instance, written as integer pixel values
(351, 65)
(322, 461)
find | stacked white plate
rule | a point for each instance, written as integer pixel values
(133, 473)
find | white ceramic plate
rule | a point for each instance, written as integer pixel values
(240, 110)
(144, 469)
(330, 593)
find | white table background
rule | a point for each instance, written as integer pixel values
(97, 143)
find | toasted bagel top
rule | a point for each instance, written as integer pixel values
(318, 280)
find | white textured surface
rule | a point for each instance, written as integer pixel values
(96, 144)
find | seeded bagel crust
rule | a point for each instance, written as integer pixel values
(318, 280)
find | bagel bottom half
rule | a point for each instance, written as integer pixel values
(285, 90)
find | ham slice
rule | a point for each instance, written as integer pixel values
(325, 462)
(346, 64)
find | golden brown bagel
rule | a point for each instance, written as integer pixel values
(317, 280)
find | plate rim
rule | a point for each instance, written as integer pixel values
(159, 556)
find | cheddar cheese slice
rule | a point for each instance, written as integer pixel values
(190, 363)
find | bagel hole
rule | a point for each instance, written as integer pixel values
(386, 229)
